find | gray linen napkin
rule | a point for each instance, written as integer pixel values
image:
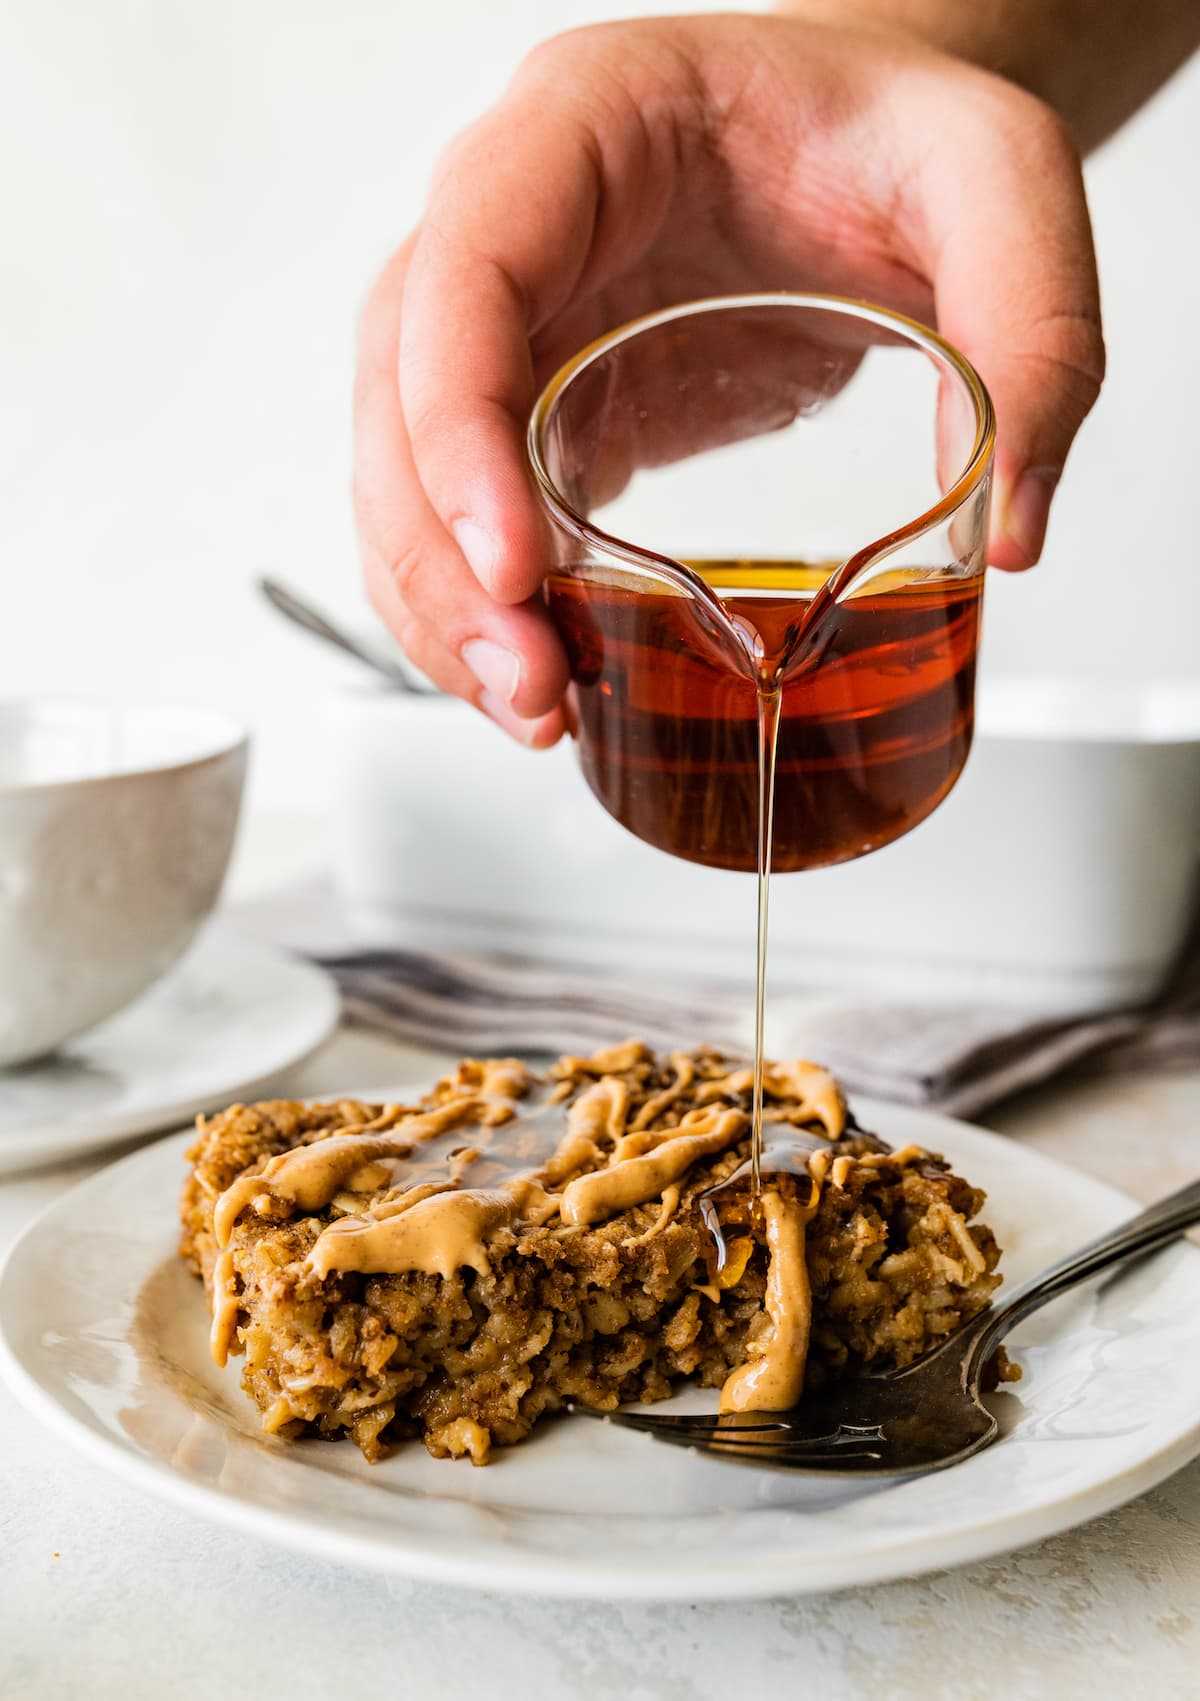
(949, 1058)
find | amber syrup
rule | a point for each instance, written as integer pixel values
(831, 728)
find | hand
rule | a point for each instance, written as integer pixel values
(633, 165)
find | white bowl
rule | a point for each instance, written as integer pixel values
(116, 826)
(1058, 877)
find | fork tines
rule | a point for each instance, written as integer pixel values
(753, 1437)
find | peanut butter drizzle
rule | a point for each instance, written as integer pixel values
(437, 1235)
(308, 1177)
(685, 1073)
(668, 1208)
(597, 1114)
(772, 1379)
(905, 1155)
(225, 1307)
(815, 1090)
(613, 1060)
(437, 1225)
(634, 1179)
(435, 1229)
(411, 1196)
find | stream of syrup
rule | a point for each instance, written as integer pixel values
(787, 730)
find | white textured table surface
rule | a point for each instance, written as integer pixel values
(105, 1592)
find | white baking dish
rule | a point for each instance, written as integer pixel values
(1059, 876)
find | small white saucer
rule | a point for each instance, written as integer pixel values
(223, 1022)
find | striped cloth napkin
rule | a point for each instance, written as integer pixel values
(953, 1059)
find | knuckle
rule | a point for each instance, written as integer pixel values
(427, 652)
(456, 152)
(379, 316)
(1073, 344)
(369, 510)
(425, 418)
(1032, 133)
(411, 637)
(404, 568)
(375, 364)
(577, 58)
(548, 57)
(1050, 134)
(399, 619)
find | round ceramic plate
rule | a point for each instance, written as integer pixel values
(228, 1016)
(103, 1334)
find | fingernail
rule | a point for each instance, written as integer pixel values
(1029, 509)
(498, 670)
(499, 711)
(479, 549)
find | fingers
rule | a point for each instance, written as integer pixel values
(515, 232)
(1016, 288)
(454, 546)
(466, 371)
(466, 388)
(447, 671)
(506, 660)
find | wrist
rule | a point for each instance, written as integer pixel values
(1092, 65)
(969, 32)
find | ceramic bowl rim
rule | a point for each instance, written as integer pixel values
(218, 736)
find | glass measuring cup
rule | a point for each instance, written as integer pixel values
(775, 499)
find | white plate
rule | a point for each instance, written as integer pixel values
(103, 1334)
(229, 1016)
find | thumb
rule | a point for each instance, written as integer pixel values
(1016, 290)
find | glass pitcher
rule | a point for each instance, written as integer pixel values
(768, 497)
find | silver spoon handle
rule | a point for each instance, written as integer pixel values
(312, 620)
(1151, 1229)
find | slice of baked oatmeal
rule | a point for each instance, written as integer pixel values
(456, 1268)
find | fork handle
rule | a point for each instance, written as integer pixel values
(1151, 1229)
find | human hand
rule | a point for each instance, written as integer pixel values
(638, 164)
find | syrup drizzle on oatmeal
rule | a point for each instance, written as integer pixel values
(417, 1194)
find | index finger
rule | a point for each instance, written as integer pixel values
(517, 227)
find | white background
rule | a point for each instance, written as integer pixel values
(193, 194)
(194, 200)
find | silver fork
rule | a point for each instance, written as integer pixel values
(928, 1415)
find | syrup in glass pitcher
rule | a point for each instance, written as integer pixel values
(778, 674)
